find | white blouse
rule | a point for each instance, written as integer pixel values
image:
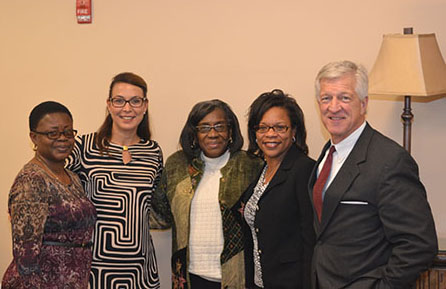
(206, 229)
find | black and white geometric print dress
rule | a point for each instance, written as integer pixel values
(123, 252)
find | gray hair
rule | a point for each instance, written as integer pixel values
(338, 69)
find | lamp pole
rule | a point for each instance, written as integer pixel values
(407, 115)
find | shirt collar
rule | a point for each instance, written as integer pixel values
(215, 163)
(344, 147)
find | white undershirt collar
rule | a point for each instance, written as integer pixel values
(214, 164)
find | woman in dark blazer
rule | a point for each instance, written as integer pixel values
(276, 208)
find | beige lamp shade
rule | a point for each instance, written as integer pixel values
(408, 64)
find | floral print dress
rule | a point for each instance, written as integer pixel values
(44, 210)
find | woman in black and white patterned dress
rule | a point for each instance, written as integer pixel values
(120, 167)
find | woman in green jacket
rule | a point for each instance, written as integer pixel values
(202, 182)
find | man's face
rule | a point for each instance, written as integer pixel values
(342, 112)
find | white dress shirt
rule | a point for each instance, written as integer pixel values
(343, 149)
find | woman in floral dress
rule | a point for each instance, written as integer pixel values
(52, 219)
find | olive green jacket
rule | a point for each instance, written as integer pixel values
(175, 192)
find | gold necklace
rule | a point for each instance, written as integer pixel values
(269, 174)
(47, 168)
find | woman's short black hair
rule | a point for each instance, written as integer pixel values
(188, 137)
(276, 98)
(44, 108)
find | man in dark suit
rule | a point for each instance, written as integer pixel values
(373, 223)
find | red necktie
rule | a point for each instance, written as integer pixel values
(320, 183)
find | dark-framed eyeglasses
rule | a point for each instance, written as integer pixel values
(55, 134)
(278, 128)
(121, 102)
(205, 128)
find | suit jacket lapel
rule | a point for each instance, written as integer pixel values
(345, 176)
(282, 173)
(313, 175)
(336, 190)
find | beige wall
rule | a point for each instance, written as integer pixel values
(190, 51)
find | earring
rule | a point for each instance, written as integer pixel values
(34, 147)
(294, 139)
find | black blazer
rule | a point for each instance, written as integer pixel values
(377, 229)
(284, 222)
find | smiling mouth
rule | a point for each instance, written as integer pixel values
(336, 118)
(127, 117)
(271, 144)
(213, 145)
(63, 149)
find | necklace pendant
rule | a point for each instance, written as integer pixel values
(126, 155)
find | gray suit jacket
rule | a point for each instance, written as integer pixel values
(377, 229)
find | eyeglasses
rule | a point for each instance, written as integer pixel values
(121, 102)
(276, 128)
(55, 134)
(205, 128)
